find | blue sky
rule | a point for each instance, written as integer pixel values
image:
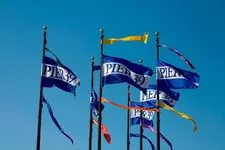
(195, 28)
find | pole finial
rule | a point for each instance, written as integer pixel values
(101, 30)
(92, 58)
(141, 61)
(157, 34)
(45, 28)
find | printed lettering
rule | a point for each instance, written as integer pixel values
(59, 73)
(167, 72)
(108, 67)
(46, 69)
(145, 114)
(152, 95)
(117, 68)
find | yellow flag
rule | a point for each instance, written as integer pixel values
(129, 38)
(161, 104)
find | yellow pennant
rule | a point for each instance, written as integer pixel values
(129, 38)
(161, 104)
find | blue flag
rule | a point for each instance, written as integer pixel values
(135, 115)
(175, 78)
(145, 137)
(118, 70)
(94, 102)
(54, 119)
(54, 73)
(166, 96)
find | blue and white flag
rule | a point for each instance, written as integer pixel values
(118, 70)
(94, 102)
(172, 77)
(135, 116)
(166, 96)
(54, 73)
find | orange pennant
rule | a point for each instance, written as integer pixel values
(104, 131)
(126, 107)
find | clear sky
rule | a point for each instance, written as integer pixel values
(195, 28)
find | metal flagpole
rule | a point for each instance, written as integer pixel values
(100, 90)
(40, 97)
(128, 118)
(91, 111)
(157, 99)
(141, 128)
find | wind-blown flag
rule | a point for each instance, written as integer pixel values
(140, 107)
(161, 104)
(97, 67)
(148, 104)
(166, 96)
(95, 102)
(161, 135)
(104, 132)
(129, 38)
(145, 137)
(179, 54)
(54, 119)
(172, 77)
(119, 70)
(54, 73)
(135, 116)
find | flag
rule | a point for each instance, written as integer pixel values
(179, 54)
(161, 135)
(119, 70)
(94, 102)
(145, 137)
(172, 77)
(54, 73)
(166, 96)
(135, 116)
(143, 39)
(104, 131)
(97, 67)
(148, 104)
(54, 119)
(140, 107)
(179, 113)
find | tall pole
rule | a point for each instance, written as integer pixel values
(157, 97)
(100, 90)
(128, 118)
(91, 111)
(40, 97)
(141, 128)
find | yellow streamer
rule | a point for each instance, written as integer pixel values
(129, 38)
(161, 104)
(131, 108)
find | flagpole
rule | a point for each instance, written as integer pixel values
(128, 118)
(91, 111)
(40, 97)
(100, 90)
(141, 128)
(157, 98)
